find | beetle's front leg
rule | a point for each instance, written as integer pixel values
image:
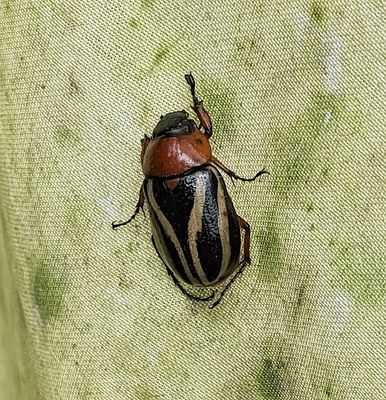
(198, 107)
(138, 207)
(232, 174)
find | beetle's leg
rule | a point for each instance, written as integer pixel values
(247, 239)
(177, 282)
(191, 82)
(138, 207)
(232, 174)
(246, 258)
(242, 266)
(198, 107)
(185, 292)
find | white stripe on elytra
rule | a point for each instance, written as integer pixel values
(169, 231)
(195, 225)
(223, 224)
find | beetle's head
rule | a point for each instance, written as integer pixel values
(174, 124)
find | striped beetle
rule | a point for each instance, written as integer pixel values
(196, 230)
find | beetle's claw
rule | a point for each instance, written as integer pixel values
(247, 260)
(116, 224)
(215, 304)
(262, 172)
(208, 298)
(233, 180)
(190, 80)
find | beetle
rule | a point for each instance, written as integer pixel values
(195, 228)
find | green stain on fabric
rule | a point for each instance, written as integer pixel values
(142, 392)
(310, 207)
(249, 52)
(68, 136)
(159, 57)
(360, 272)
(298, 151)
(74, 84)
(271, 379)
(148, 3)
(49, 285)
(270, 260)
(300, 148)
(133, 23)
(318, 13)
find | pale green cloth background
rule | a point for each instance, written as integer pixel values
(297, 87)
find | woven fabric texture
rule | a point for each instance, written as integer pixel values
(295, 87)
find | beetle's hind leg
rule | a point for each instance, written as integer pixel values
(242, 266)
(139, 206)
(243, 263)
(177, 282)
(232, 174)
(185, 292)
(247, 239)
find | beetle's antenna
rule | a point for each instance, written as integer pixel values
(190, 80)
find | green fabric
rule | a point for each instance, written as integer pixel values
(296, 87)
